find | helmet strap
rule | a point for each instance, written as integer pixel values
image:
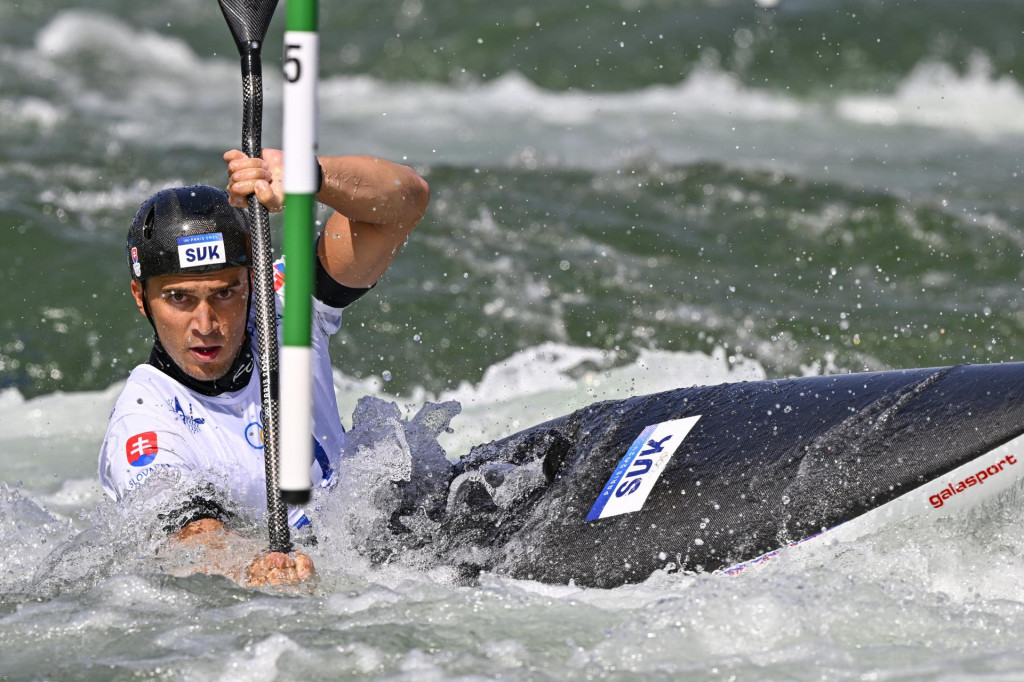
(145, 308)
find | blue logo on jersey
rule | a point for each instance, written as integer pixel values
(191, 423)
(325, 465)
(254, 433)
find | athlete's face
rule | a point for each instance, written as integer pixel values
(200, 319)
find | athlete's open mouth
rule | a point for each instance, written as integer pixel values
(205, 353)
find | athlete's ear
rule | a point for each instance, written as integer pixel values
(138, 292)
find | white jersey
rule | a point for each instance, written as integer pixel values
(158, 422)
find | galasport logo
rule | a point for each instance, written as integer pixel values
(952, 489)
(141, 449)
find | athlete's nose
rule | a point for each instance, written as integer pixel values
(204, 321)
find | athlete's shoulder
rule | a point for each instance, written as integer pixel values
(150, 396)
(326, 315)
(145, 390)
(143, 382)
(153, 425)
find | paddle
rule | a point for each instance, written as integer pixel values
(248, 21)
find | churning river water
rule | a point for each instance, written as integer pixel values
(628, 196)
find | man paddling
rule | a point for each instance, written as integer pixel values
(194, 406)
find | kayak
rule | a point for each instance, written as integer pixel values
(718, 478)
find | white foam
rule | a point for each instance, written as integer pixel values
(258, 661)
(50, 438)
(140, 82)
(52, 416)
(710, 114)
(79, 31)
(653, 371)
(10, 398)
(934, 95)
(73, 495)
(511, 120)
(707, 90)
(550, 380)
(108, 197)
(31, 110)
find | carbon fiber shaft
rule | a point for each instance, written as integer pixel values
(263, 299)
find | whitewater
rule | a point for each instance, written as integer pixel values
(626, 198)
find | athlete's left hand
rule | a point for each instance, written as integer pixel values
(264, 177)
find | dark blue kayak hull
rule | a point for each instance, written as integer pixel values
(767, 464)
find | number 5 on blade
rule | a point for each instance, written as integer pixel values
(301, 183)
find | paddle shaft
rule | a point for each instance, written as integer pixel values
(263, 298)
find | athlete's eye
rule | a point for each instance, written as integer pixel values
(175, 296)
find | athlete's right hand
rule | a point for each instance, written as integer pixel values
(277, 568)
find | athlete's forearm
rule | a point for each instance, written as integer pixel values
(371, 190)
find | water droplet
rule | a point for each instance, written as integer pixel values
(785, 499)
(386, 375)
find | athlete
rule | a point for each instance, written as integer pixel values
(193, 409)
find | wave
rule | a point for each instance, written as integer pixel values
(104, 67)
(553, 379)
(935, 95)
(81, 31)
